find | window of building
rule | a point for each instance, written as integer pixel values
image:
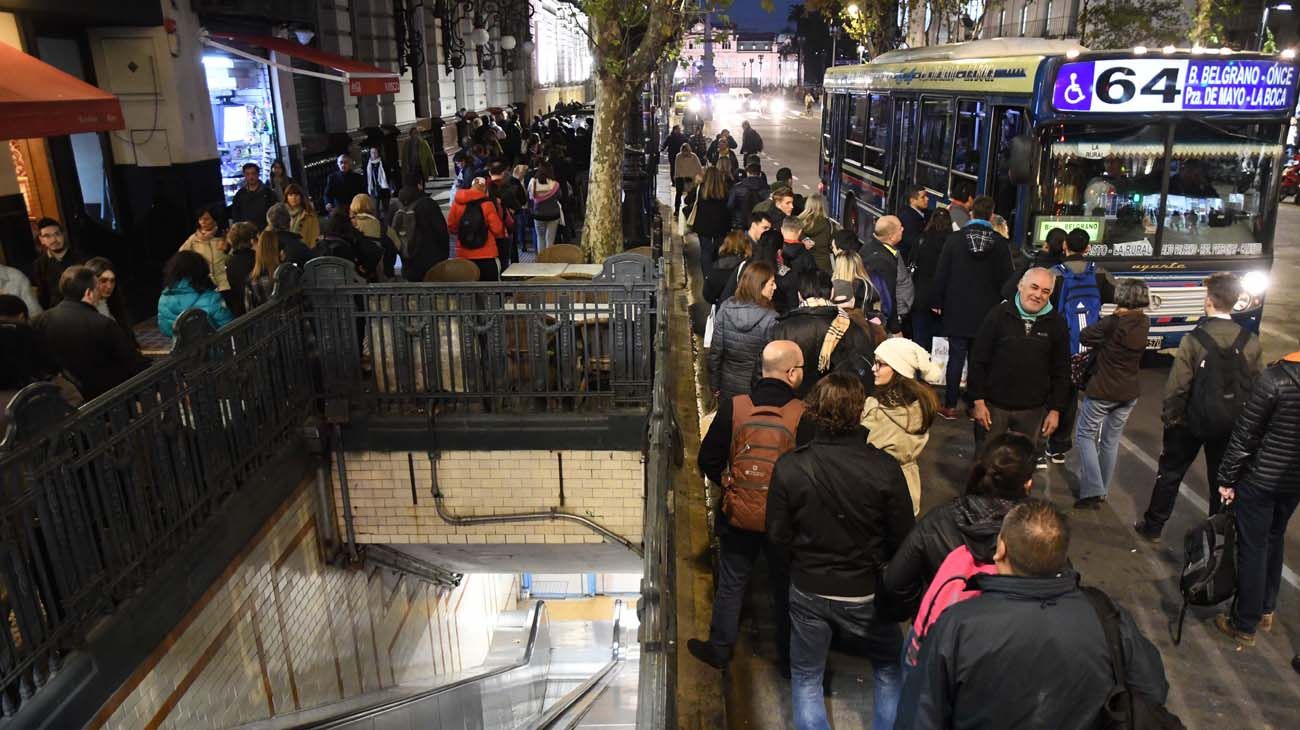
(1024, 19)
(1002, 22)
(1047, 18)
(969, 137)
(934, 144)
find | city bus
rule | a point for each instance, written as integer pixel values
(1169, 158)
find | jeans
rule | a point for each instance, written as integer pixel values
(523, 230)
(1029, 422)
(1261, 539)
(546, 231)
(812, 621)
(958, 350)
(709, 253)
(739, 551)
(1100, 425)
(1178, 451)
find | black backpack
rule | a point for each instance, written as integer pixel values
(472, 229)
(1220, 385)
(1124, 708)
(1209, 564)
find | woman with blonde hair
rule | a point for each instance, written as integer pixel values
(847, 266)
(899, 414)
(818, 226)
(303, 219)
(261, 281)
(741, 328)
(367, 223)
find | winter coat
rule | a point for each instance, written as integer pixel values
(305, 224)
(239, 267)
(181, 296)
(88, 346)
(913, 222)
(1178, 386)
(210, 249)
(968, 283)
(925, 257)
(972, 520)
(715, 448)
(724, 273)
(749, 190)
(807, 326)
(820, 230)
(1264, 450)
(293, 250)
(46, 272)
(1027, 653)
(897, 277)
(897, 430)
(740, 332)
(714, 218)
(22, 360)
(251, 205)
(1120, 340)
(1015, 369)
(687, 165)
(496, 229)
(430, 241)
(341, 188)
(842, 528)
(751, 143)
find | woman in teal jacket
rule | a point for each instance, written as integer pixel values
(187, 284)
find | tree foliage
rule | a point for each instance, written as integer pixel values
(1208, 24)
(1128, 23)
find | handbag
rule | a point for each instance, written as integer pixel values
(708, 327)
(686, 223)
(1082, 365)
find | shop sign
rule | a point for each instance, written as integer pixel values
(1173, 85)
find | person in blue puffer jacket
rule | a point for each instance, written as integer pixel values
(187, 284)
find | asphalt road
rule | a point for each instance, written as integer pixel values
(1213, 682)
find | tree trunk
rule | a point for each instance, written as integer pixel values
(602, 230)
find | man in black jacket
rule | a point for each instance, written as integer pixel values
(1259, 476)
(751, 143)
(426, 241)
(252, 200)
(1020, 364)
(883, 256)
(88, 346)
(842, 508)
(1030, 651)
(747, 194)
(914, 215)
(783, 369)
(342, 185)
(55, 257)
(808, 325)
(976, 260)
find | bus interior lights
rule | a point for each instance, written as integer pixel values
(1288, 54)
(1198, 49)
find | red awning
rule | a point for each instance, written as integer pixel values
(362, 79)
(39, 100)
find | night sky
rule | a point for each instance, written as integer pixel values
(749, 15)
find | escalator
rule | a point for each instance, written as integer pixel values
(540, 674)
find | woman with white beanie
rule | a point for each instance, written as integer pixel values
(898, 416)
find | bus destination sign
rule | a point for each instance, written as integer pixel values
(1173, 85)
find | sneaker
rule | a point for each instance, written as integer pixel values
(1042, 462)
(1266, 622)
(1056, 458)
(711, 654)
(1224, 624)
(948, 414)
(1088, 503)
(1147, 532)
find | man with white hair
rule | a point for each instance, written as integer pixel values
(881, 256)
(1019, 374)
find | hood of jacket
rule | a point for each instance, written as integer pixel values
(727, 262)
(181, 287)
(469, 195)
(745, 316)
(979, 520)
(826, 312)
(979, 238)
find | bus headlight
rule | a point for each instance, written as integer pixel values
(694, 104)
(778, 106)
(1254, 283)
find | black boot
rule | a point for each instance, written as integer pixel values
(715, 656)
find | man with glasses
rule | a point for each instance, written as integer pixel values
(56, 256)
(771, 405)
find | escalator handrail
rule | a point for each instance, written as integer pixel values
(549, 717)
(538, 611)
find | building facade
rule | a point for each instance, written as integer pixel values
(752, 60)
(206, 86)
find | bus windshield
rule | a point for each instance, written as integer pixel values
(1107, 178)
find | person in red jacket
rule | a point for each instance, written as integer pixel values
(485, 254)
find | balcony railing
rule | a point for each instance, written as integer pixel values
(95, 500)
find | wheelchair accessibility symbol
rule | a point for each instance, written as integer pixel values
(1074, 92)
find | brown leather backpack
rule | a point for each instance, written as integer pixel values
(759, 436)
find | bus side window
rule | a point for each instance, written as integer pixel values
(934, 144)
(1008, 123)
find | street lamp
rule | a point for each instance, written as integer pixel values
(1282, 7)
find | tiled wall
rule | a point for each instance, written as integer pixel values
(605, 486)
(281, 631)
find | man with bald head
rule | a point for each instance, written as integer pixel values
(881, 256)
(772, 404)
(1019, 374)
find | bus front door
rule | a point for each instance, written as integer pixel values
(903, 154)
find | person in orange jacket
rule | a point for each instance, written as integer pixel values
(482, 250)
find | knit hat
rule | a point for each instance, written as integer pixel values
(278, 217)
(908, 359)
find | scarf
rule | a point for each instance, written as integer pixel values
(1031, 318)
(817, 302)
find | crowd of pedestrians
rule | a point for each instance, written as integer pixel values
(819, 350)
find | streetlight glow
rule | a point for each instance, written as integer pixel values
(853, 10)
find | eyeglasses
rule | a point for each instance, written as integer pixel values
(879, 364)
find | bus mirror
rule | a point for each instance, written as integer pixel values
(1023, 160)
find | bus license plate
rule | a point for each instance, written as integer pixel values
(1155, 343)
